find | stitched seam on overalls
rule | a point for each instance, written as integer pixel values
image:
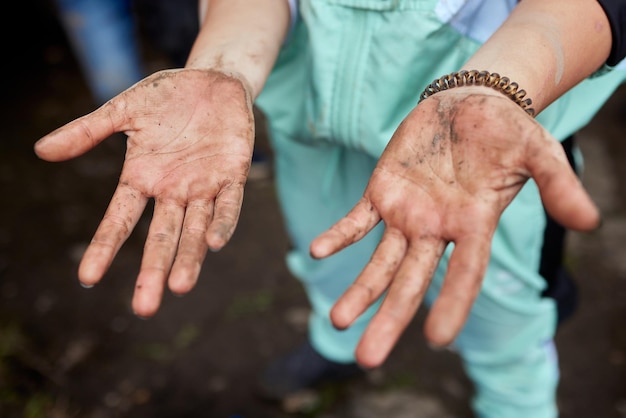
(386, 5)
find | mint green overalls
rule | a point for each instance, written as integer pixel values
(348, 75)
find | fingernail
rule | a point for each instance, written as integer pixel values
(41, 141)
(144, 318)
(86, 286)
(435, 347)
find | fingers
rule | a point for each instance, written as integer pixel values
(192, 247)
(461, 285)
(159, 252)
(354, 226)
(373, 281)
(175, 247)
(227, 208)
(178, 253)
(401, 302)
(125, 209)
(78, 136)
(562, 193)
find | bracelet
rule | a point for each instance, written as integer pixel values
(480, 78)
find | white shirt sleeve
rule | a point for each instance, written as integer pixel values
(293, 8)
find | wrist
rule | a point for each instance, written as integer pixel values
(251, 82)
(242, 38)
(494, 81)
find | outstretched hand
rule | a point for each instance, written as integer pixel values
(190, 139)
(448, 173)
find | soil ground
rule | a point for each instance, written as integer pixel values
(66, 351)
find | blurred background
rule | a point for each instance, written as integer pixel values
(66, 351)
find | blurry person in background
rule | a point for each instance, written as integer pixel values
(103, 35)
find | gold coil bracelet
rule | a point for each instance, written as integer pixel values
(480, 78)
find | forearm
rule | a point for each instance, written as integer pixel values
(242, 38)
(547, 47)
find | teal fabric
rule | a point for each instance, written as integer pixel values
(350, 73)
(506, 343)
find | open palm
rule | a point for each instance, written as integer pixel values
(190, 139)
(448, 173)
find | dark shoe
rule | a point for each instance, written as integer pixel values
(302, 369)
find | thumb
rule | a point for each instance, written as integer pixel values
(562, 192)
(79, 136)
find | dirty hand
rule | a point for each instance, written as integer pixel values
(190, 139)
(449, 171)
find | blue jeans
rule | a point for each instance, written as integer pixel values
(103, 36)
